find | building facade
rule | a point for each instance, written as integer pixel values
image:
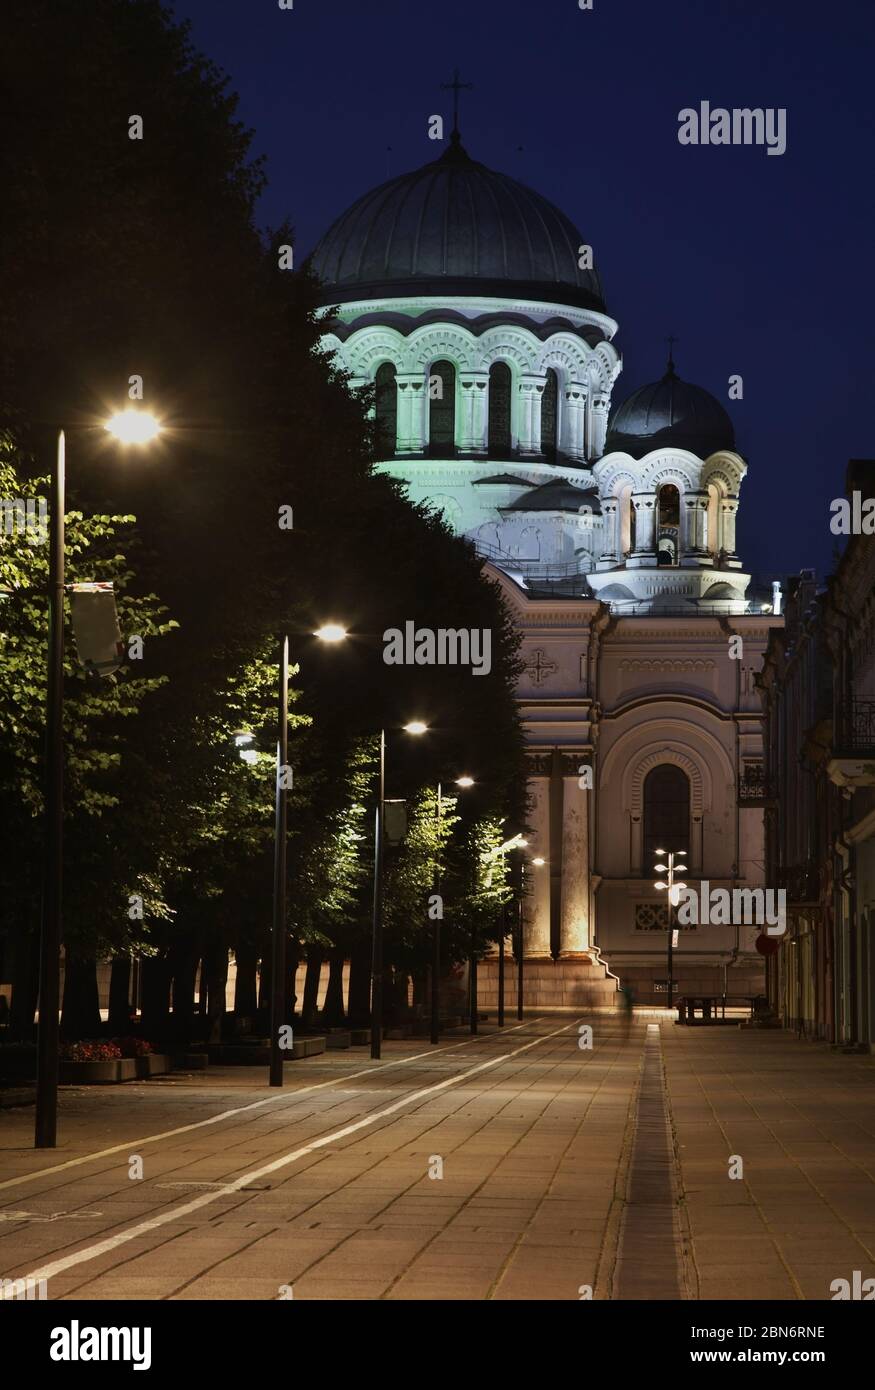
(470, 304)
(818, 691)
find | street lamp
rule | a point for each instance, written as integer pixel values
(130, 427)
(672, 889)
(464, 782)
(328, 632)
(414, 726)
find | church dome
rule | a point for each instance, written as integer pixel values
(667, 412)
(455, 227)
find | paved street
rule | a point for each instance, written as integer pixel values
(556, 1170)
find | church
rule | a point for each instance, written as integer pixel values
(471, 304)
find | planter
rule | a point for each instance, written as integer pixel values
(153, 1064)
(98, 1073)
(339, 1037)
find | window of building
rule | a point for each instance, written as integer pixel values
(666, 813)
(499, 409)
(668, 528)
(442, 409)
(550, 415)
(386, 402)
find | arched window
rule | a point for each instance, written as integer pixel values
(668, 529)
(550, 415)
(666, 813)
(712, 529)
(386, 401)
(442, 409)
(499, 409)
(627, 521)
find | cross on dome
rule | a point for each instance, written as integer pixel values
(456, 87)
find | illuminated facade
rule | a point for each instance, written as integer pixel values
(470, 304)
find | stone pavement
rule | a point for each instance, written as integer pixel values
(556, 1169)
(802, 1120)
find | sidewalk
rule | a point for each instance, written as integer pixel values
(802, 1120)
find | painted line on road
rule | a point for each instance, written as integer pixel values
(103, 1247)
(256, 1105)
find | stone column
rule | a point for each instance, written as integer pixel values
(574, 925)
(536, 927)
(695, 511)
(610, 556)
(411, 413)
(473, 433)
(599, 426)
(531, 389)
(728, 512)
(644, 554)
(573, 441)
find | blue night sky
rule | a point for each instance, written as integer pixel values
(761, 265)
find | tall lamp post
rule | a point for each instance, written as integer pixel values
(672, 889)
(329, 632)
(128, 427)
(463, 782)
(416, 727)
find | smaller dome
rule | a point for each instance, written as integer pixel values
(668, 412)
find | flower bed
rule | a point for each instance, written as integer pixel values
(97, 1062)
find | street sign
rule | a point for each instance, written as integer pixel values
(96, 628)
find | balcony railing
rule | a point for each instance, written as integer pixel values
(857, 729)
(754, 788)
(801, 882)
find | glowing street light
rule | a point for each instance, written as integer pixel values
(465, 781)
(538, 861)
(133, 427)
(331, 632)
(416, 726)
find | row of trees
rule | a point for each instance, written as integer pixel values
(122, 258)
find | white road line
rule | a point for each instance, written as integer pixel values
(126, 1147)
(103, 1247)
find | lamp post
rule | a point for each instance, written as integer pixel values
(672, 889)
(463, 782)
(329, 632)
(129, 427)
(416, 727)
(243, 738)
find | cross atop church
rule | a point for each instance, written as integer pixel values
(671, 340)
(456, 87)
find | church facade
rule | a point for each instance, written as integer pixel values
(471, 304)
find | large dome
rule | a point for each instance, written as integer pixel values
(667, 412)
(455, 227)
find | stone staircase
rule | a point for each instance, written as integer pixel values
(549, 984)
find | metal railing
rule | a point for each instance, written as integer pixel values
(857, 725)
(753, 785)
